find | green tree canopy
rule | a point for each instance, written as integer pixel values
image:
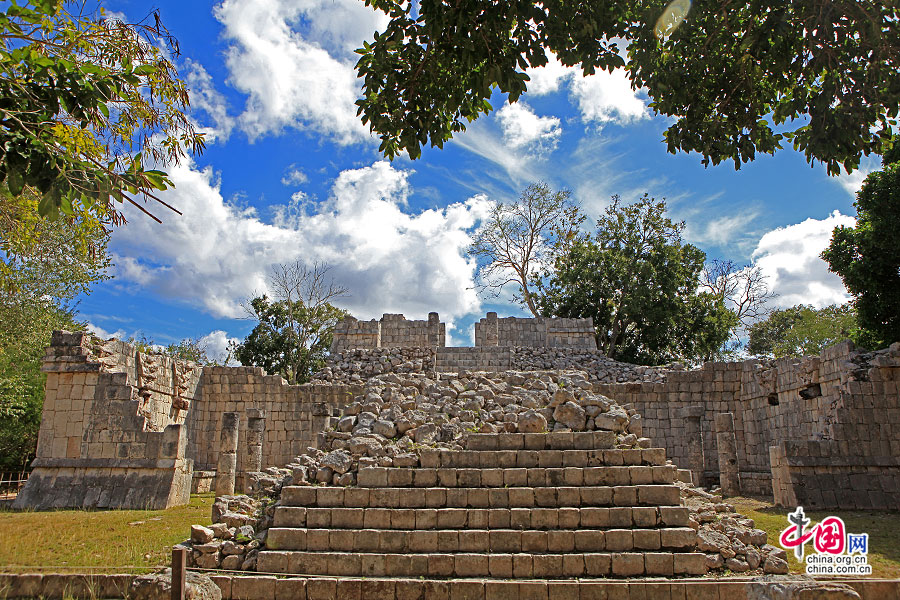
(638, 280)
(44, 264)
(867, 257)
(802, 330)
(738, 77)
(295, 327)
(85, 101)
(291, 339)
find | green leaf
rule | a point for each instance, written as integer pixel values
(146, 69)
(16, 182)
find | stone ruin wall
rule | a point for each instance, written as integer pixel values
(294, 414)
(124, 429)
(820, 431)
(540, 332)
(392, 331)
(112, 429)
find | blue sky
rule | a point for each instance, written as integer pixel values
(290, 173)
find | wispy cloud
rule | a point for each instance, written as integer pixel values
(206, 98)
(852, 182)
(294, 175)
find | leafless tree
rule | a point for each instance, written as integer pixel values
(296, 281)
(518, 239)
(742, 287)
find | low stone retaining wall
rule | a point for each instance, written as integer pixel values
(267, 587)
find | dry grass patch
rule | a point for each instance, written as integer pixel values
(70, 540)
(882, 527)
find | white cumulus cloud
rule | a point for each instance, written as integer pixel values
(608, 98)
(215, 344)
(789, 257)
(294, 59)
(603, 97)
(104, 334)
(218, 254)
(524, 129)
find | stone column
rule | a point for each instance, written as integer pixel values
(726, 444)
(694, 434)
(256, 427)
(492, 330)
(228, 442)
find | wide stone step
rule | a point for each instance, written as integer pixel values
(451, 477)
(461, 497)
(481, 540)
(557, 440)
(499, 565)
(482, 518)
(508, 459)
(270, 587)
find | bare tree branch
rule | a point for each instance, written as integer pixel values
(744, 290)
(517, 240)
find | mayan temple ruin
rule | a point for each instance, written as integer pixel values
(526, 466)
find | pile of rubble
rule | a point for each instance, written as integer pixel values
(238, 530)
(598, 367)
(730, 540)
(357, 365)
(396, 416)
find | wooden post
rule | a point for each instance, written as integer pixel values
(179, 572)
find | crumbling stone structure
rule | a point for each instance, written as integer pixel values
(822, 431)
(126, 429)
(113, 429)
(541, 332)
(392, 331)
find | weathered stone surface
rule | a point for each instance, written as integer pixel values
(426, 434)
(532, 422)
(770, 588)
(384, 428)
(201, 534)
(775, 565)
(158, 586)
(339, 461)
(713, 541)
(571, 415)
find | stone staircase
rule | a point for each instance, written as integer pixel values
(488, 358)
(509, 506)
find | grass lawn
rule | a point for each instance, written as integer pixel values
(74, 539)
(882, 527)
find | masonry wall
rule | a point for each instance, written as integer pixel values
(392, 331)
(123, 429)
(542, 332)
(843, 405)
(112, 431)
(294, 414)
